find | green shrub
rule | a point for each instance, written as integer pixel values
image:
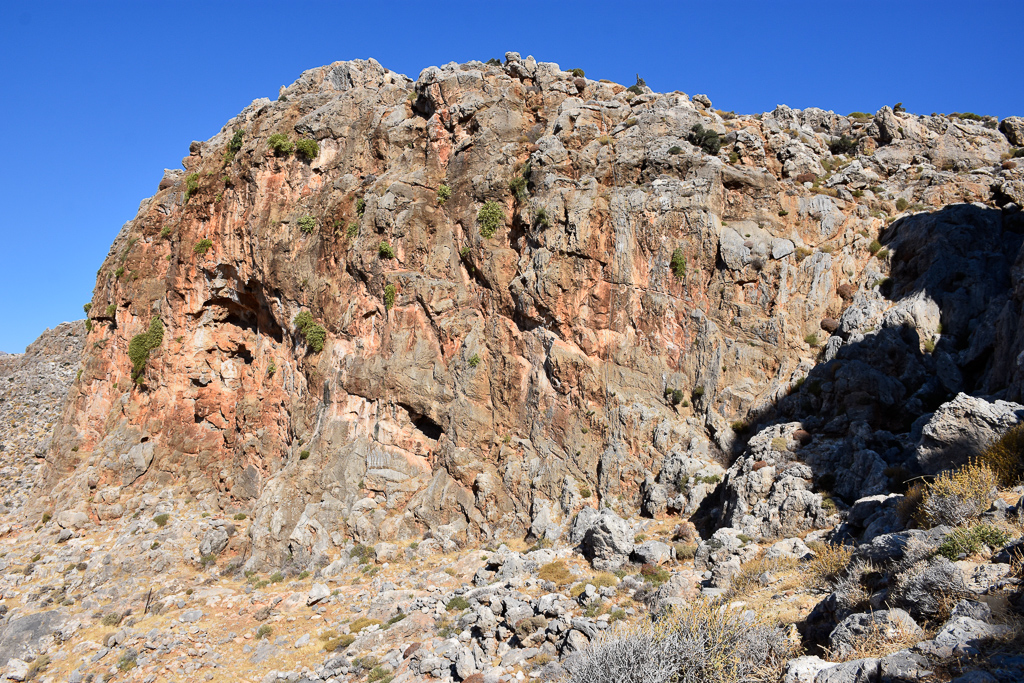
(87, 308)
(202, 246)
(307, 149)
(675, 149)
(307, 224)
(314, 334)
(384, 250)
(379, 674)
(875, 247)
(112, 619)
(363, 552)
(842, 145)
(578, 73)
(444, 193)
(812, 340)
(860, 115)
(360, 207)
(119, 272)
(234, 145)
(161, 519)
(395, 619)
(902, 204)
(276, 577)
(474, 360)
(556, 572)
(518, 187)
(540, 217)
(390, 292)
(141, 344)
(208, 559)
(239, 516)
(490, 217)
(191, 185)
(638, 88)
(678, 263)
(457, 604)
(352, 230)
(971, 540)
(280, 143)
(166, 231)
(304, 455)
(264, 631)
(586, 492)
(706, 139)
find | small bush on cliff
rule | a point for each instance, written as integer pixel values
(307, 224)
(280, 143)
(389, 297)
(490, 217)
(314, 334)
(234, 145)
(384, 250)
(202, 246)
(970, 541)
(705, 138)
(191, 186)
(444, 193)
(842, 145)
(307, 149)
(161, 519)
(142, 344)
(111, 310)
(578, 73)
(678, 263)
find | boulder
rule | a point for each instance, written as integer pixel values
(891, 624)
(609, 542)
(961, 429)
(1013, 128)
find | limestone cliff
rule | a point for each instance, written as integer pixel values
(648, 292)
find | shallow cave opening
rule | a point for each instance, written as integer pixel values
(427, 427)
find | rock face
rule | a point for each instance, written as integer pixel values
(634, 302)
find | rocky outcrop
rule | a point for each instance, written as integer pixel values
(635, 306)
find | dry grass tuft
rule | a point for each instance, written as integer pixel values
(749, 577)
(556, 572)
(881, 638)
(1005, 457)
(829, 562)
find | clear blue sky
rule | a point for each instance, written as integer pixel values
(99, 97)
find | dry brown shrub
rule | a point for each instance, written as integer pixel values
(556, 572)
(749, 577)
(958, 496)
(829, 562)
(1005, 457)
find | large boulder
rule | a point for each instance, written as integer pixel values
(890, 625)
(961, 429)
(609, 542)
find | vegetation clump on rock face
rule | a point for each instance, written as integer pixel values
(280, 143)
(142, 344)
(314, 333)
(307, 149)
(490, 217)
(706, 138)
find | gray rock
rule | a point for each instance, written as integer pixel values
(804, 669)
(789, 548)
(1013, 128)
(317, 593)
(20, 636)
(961, 429)
(961, 637)
(214, 542)
(191, 616)
(922, 588)
(856, 671)
(652, 552)
(609, 542)
(17, 670)
(891, 624)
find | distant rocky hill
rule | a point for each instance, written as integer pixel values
(33, 387)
